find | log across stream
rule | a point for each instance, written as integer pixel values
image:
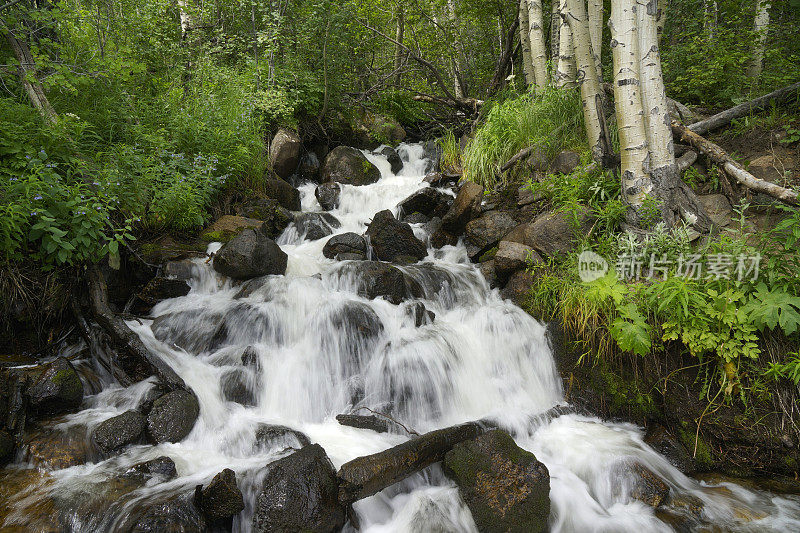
(316, 349)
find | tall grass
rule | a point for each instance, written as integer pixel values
(550, 119)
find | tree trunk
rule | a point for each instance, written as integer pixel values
(591, 90)
(710, 18)
(524, 39)
(458, 62)
(760, 28)
(538, 48)
(662, 19)
(29, 77)
(398, 50)
(566, 72)
(596, 33)
(555, 30)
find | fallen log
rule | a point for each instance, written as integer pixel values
(368, 475)
(686, 160)
(731, 167)
(136, 360)
(723, 119)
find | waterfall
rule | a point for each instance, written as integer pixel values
(321, 350)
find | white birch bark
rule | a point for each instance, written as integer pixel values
(591, 92)
(566, 71)
(555, 29)
(636, 183)
(760, 27)
(595, 12)
(536, 38)
(524, 38)
(662, 18)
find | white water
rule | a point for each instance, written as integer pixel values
(481, 358)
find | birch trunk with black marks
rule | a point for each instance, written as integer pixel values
(760, 28)
(566, 70)
(536, 38)
(524, 39)
(398, 50)
(595, 12)
(555, 28)
(591, 90)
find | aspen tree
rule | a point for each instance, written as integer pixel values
(536, 38)
(524, 39)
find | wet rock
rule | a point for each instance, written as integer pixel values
(284, 152)
(392, 157)
(190, 330)
(275, 217)
(416, 218)
(250, 358)
(244, 323)
(488, 270)
(466, 206)
(178, 514)
(486, 231)
(250, 255)
(345, 243)
(158, 289)
(658, 438)
(505, 487)
(391, 238)
(374, 280)
(180, 270)
(518, 287)
(554, 234)
(227, 227)
(286, 195)
(237, 386)
(58, 389)
(120, 431)
(513, 256)
(348, 165)
(427, 201)
(270, 436)
(328, 195)
(420, 314)
(717, 207)
(382, 127)
(300, 494)
(221, 498)
(648, 488)
(432, 151)
(368, 475)
(309, 167)
(6, 448)
(370, 422)
(565, 163)
(56, 449)
(316, 226)
(163, 467)
(172, 417)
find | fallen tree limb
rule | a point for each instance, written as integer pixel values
(368, 475)
(731, 167)
(686, 160)
(723, 119)
(472, 104)
(136, 360)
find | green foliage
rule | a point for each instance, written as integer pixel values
(450, 160)
(788, 370)
(550, 119)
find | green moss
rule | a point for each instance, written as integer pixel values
(216, 236)
(488, 255)
(704, 456)
(69, 384)
(625, 394)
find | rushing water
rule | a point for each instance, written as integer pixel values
(481, 358)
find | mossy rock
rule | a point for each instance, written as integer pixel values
(58, 389)
(227, 227)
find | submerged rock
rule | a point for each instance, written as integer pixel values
(190, 330)
(392, 157)
(349, 243)
(505, 487)
(120, 431)
(648, 487)
(316, 226)
(270, 436)
(284, 152)
(237, 386)
(178, 514)
(328, 195)
(392, 240)
(58, 389)
(55, 449)
(374, 280)
(250, 255)
(348, 165)
(172, 417)
(221, 498)
(420, 314)
(163, 467)
(300, 493)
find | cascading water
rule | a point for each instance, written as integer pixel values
(317, 349)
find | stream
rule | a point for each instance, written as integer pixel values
(480, 358)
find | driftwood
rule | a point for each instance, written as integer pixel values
(135, 359)
(368, 475)
(723, 119)
(731, 167)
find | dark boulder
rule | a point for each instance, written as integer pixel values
(189, 330)
(648, 487)
(58, 389)
(275, 217)
(162, 467)
(284, 152)
(505, 487)
(420, 314)
(371, 422)
(416, 218)
(238, 386)
(172, 417)
(565, 163)
(391, 239)
(662, 441)
(427, 201)
(158, 289)
(392, 157)
(345, 243)
(556, 234)
(372, 279)
(250, 358)
(250, 255)
(316, 226)
(466, 206)
(120, 431)
(6, 448)
(489, 272)
(181, 270)
(348, 165)
(513, 256)
(486, 231)
(270, 436)
(221, 498)
(178, 514)
(309, 167)
(328, 195)
(518, 287)
(286, 195)
(432, 151)
(300, 493)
